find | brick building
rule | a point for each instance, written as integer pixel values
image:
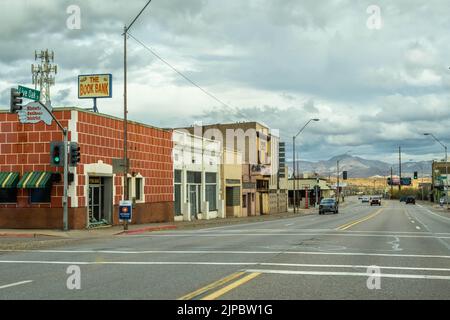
(31, 191)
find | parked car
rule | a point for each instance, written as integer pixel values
(411, 200)
(375, 201)
(328, 205)
(365, 199)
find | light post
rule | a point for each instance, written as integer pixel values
(293, 144)
(446, 166)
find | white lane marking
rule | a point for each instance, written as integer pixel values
(217, 235)
(354, 274)
(298, 265)
(234, 252)
(288, 225)
(417, 227)
(412, 221)
(15, 284)
(396, 244)
(434, 214)
(320, 231)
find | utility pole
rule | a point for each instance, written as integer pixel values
(392, 184)
(400, 167)
(338, 184)
(125, 111)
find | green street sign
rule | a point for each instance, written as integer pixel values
(30, 93)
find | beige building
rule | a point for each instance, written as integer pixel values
(259, 149)
(231, 173)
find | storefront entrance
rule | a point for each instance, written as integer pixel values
(99, 201)
(194, 197)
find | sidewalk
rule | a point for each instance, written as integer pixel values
(142, 228)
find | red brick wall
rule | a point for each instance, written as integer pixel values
(149, 150)
(25, 148)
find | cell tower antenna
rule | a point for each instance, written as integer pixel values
(43, 74)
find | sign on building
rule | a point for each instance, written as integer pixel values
(94, 86)
(34, 112)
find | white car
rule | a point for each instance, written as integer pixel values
(365, 199)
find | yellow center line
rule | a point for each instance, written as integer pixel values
(231, 286)
(353, 223)
(211, 286)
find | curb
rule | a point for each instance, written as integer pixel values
(26, 235)
(147, 229)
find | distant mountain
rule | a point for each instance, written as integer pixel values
(358, 167)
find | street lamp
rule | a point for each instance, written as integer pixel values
(446, 168)
(293, 144)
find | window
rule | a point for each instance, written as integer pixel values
(244, 201)
(40, 195)
(8, 195)
(130, 195)
(177, 203)
(177, 191)
(211, 188)
(233, 196)
(138, 185)
(194, 177)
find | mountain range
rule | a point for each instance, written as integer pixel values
(358, 167)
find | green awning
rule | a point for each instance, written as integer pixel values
(8, 180)
(35, 180)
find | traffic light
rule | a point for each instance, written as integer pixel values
(75, 155)
(57, 155)
(16, 101)
(345, 175)
(415, 175)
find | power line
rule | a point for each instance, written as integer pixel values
(137, 17)
(185, 77)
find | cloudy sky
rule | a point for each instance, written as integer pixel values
(374, 86)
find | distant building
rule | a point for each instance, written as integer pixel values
(260, 155)
(197, 177)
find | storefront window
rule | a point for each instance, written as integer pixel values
(8, 195)
(40, 195)
(211, 187)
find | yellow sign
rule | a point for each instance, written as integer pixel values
(94, 86)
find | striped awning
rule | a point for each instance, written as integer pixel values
(35, 180)
(8, 180)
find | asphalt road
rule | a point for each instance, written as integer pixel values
(395, 251)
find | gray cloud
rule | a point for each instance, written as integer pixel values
(278, 62)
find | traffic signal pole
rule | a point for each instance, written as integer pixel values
(66, 168)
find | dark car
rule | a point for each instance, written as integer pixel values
(328, 205)
(411, 200)
(403, 198)
(375, 201)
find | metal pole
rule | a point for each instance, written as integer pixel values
(125, 122)
(294, 187)
(66, 177)
(338, 184)
(392, 184)
(400, 168)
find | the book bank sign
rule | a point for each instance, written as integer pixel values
(94, 86)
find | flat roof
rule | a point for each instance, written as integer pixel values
(79, 109)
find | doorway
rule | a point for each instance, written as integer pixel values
(99, 201)
(194, 196)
